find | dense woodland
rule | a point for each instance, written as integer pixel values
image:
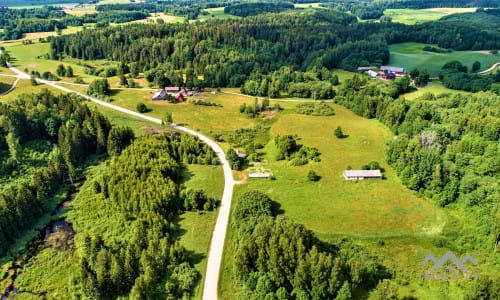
(69, 131)
(276, 258)
(139, 196)
(229, 52)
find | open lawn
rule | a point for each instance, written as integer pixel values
(204, 118)
(435, 87)
(412, 55)
(24, 87)
(413, 16)
(32, 57)
(155, 16)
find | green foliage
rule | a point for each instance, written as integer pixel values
(118, 139)
(276, 257)
(69, 131)
(312, 176)
(297, 154)
(338, 132)
(141, 107)
(99, 87)
(140, 190)
(255, 8)
(315, 109)
(454, 75)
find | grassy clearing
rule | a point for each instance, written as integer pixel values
(155, 16)
(414, 16)
(197, 227)
(392, 222)
(31, 57)
(435, 87)
(341, 207)
(24, 87)
(411, 55)
(307, 5)
(216, 12)
(80, 11)
(203, 118)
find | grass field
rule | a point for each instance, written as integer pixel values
(411, 55)
(6, 84)
(24, 87)
(435, 87)
(366, 211)
(413, 16)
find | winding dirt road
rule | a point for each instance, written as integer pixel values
(210, 291)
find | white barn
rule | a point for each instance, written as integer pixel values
(362, 174)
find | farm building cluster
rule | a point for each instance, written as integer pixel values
(173, 93)
(385, 72)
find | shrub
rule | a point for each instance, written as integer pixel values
(141, 107)
(312, 176)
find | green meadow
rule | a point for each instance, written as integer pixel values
(413, 16)
(412, 55)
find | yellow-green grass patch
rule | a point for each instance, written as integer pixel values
(333, 206)
(6, 84)
(412, 55)
(434, 87)
(24, 86)
(307, 5)
(32, 58)
(82, 10)
(204, 118)
(414, 16)
(197, 227)
(216, 12)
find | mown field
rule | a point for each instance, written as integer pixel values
(413, 16)
(412, 55)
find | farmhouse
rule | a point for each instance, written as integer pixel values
(365, 68)
(160, 95)
(362, 174)
(180, 96)
(395, 70)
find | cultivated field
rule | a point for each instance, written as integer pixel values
(412, 55)
(413, 16)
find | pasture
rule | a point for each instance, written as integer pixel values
(412, 55)
(414, 16)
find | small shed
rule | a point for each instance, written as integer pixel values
(240, 154)
(372, 74)
(362, 174)
(365, 68)
(259, 175)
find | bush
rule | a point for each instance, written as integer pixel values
(141, 107)
(338, 132)
(312, 176)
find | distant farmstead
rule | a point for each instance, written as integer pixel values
(395, 70)
(362, 174)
